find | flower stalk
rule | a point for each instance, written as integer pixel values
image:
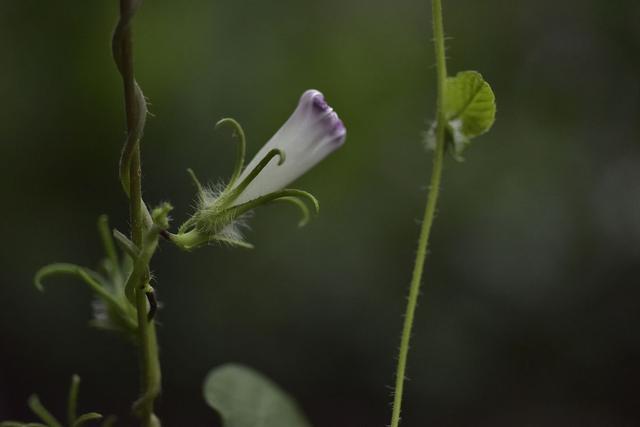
(429, 213)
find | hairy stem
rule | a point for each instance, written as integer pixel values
(130, 175)
(151, 374)
(429, 213)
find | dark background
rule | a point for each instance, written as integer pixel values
(530, 310)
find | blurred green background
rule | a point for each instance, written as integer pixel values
(530, 308)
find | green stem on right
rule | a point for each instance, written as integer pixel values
(429, 213)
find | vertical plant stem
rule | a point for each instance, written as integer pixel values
(135, 107)
(150, 361)
(429, 213)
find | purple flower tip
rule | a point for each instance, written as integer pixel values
(319, 102)
(339, 132)
(321, 111)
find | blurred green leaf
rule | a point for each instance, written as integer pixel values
(246, 398)
(38, 408)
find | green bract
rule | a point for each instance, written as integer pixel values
(470, 109)
(246, 398)
(112, 310)
(114, 282)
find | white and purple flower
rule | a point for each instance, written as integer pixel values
(311, 133)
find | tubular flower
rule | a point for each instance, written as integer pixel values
(312, 132)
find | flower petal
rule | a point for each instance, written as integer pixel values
(312, 132)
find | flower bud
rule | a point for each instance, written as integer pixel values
(312, 132)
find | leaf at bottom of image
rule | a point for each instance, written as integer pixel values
(245, 398)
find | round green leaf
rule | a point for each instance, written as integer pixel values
(470, 100)
(246, 398)
(469, 107)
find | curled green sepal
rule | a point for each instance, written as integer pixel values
(230, 193)
(234, 192)
(206, 227)
(238, 134)
(278, 196)
(213, 212)
(470, 110)
(304, 210)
